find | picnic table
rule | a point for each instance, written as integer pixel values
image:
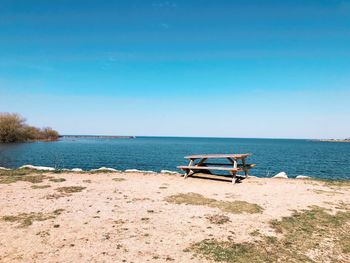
(236, 163)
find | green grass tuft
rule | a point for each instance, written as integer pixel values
(231, 252)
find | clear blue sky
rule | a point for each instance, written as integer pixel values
(183, 68)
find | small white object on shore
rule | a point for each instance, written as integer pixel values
(6, 169)
(138, 171)
(104, 169)
(302, 177)
(40, 168)
(281, 175)
(77, 170)
(168, 172)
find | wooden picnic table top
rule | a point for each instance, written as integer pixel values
(219, 156)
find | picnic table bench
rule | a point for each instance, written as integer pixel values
(198, 163)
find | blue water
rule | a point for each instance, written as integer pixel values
(295, 157)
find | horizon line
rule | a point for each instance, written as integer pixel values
(199, 137)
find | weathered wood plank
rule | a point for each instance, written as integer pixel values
(207, 168)
(219, 156)
(230, 164)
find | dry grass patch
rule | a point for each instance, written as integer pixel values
(326, 192)
(314, 229)
(57, 180)
(334, 183)
(25, 175)
(55, 196)
(70, 189)
(28, 175)
(308, 236)
(218, 219)
(27, 219)
(40, 186)
(34, 179)
(235, 207)
(87, 181)
(119, 179)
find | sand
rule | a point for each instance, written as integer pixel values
(131, 221)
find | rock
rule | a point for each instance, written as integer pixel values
(281, 175)
(104, 169)
(302, 177)
(168, 172)
(41, 168)
(77, 170)
(132, 171)
(148, 172)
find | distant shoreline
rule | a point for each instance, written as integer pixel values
(334, 140)
(98, 136)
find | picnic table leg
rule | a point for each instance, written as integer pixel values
(188, 171)
(202, 161)
(234, 162)
(244, 168)
(233, 177)
(231, 160)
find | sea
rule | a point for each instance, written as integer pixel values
(327, 160)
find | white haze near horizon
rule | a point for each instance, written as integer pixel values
(282, 115)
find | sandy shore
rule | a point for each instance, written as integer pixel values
(135, 217)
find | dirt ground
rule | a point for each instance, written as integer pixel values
(136, 217)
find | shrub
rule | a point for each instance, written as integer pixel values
(13, 128)
(49, 134)
(31, 133)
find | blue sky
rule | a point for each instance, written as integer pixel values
(277, 69)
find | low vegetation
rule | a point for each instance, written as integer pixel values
(40, 186)
(14, 172)
(25, 175)
(70, 189)
(57, 180)
(231, 252)
(13, 128)
(27, 219)
(118, 179)
(336, 183)
(326, 192)
(314, 235)
(235, 207)
(218, 219)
